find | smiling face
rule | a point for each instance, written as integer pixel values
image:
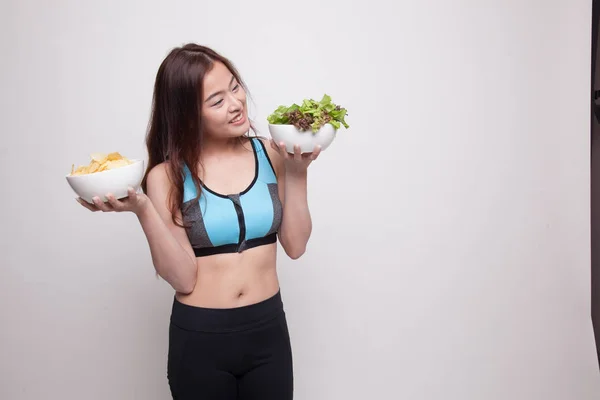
(224, 111)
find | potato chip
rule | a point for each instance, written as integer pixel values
(94, 166)
(117, 164)
(101, 162)
(114, 156)
(99, 157)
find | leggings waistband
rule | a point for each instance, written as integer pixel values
(216, 320)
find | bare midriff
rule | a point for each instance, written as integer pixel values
(233, 280)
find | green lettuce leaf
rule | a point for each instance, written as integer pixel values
(310, 115)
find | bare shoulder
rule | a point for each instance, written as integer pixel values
(159, 174)
(158, 181)
(274, 156)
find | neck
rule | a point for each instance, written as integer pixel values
(220, 146)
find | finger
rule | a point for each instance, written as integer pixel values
(87, 205)
(274, 145)
(297, 153)
(115, 204)
(315, 153)
(284, 151)
(279, 147)
(102, 205)
(131, 195)
(132, 198)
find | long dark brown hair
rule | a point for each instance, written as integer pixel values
(175, 129)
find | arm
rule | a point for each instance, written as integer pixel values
(296, 225)
(172, 253)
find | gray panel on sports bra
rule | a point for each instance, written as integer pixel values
(192, 215)
(277, 209)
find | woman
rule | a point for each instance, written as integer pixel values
(215, 202)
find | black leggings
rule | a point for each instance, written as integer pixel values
(239, 353)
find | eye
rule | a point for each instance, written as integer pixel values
(236, 87)
(218, 102)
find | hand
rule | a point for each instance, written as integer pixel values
(134, 202)
(297, 162)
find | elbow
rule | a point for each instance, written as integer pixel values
(186, 287)
(295, 253)
(185, 291)
(182, 284)
(294, 249)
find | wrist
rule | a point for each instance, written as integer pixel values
(295, 185)
(296, 175)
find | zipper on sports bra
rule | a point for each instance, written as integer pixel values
(235, 199)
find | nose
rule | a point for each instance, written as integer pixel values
(235, 104)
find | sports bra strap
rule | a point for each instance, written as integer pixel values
(263, 157)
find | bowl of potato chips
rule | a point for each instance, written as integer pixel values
(106, 173)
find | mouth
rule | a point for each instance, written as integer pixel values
(239, 119)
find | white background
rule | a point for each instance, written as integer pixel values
(450, 251)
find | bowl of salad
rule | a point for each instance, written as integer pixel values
(313, 123)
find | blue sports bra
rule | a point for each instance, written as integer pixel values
(219, 223)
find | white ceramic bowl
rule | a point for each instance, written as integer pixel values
(115, 181)
(307, 140)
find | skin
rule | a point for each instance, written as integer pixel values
(222, 280)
